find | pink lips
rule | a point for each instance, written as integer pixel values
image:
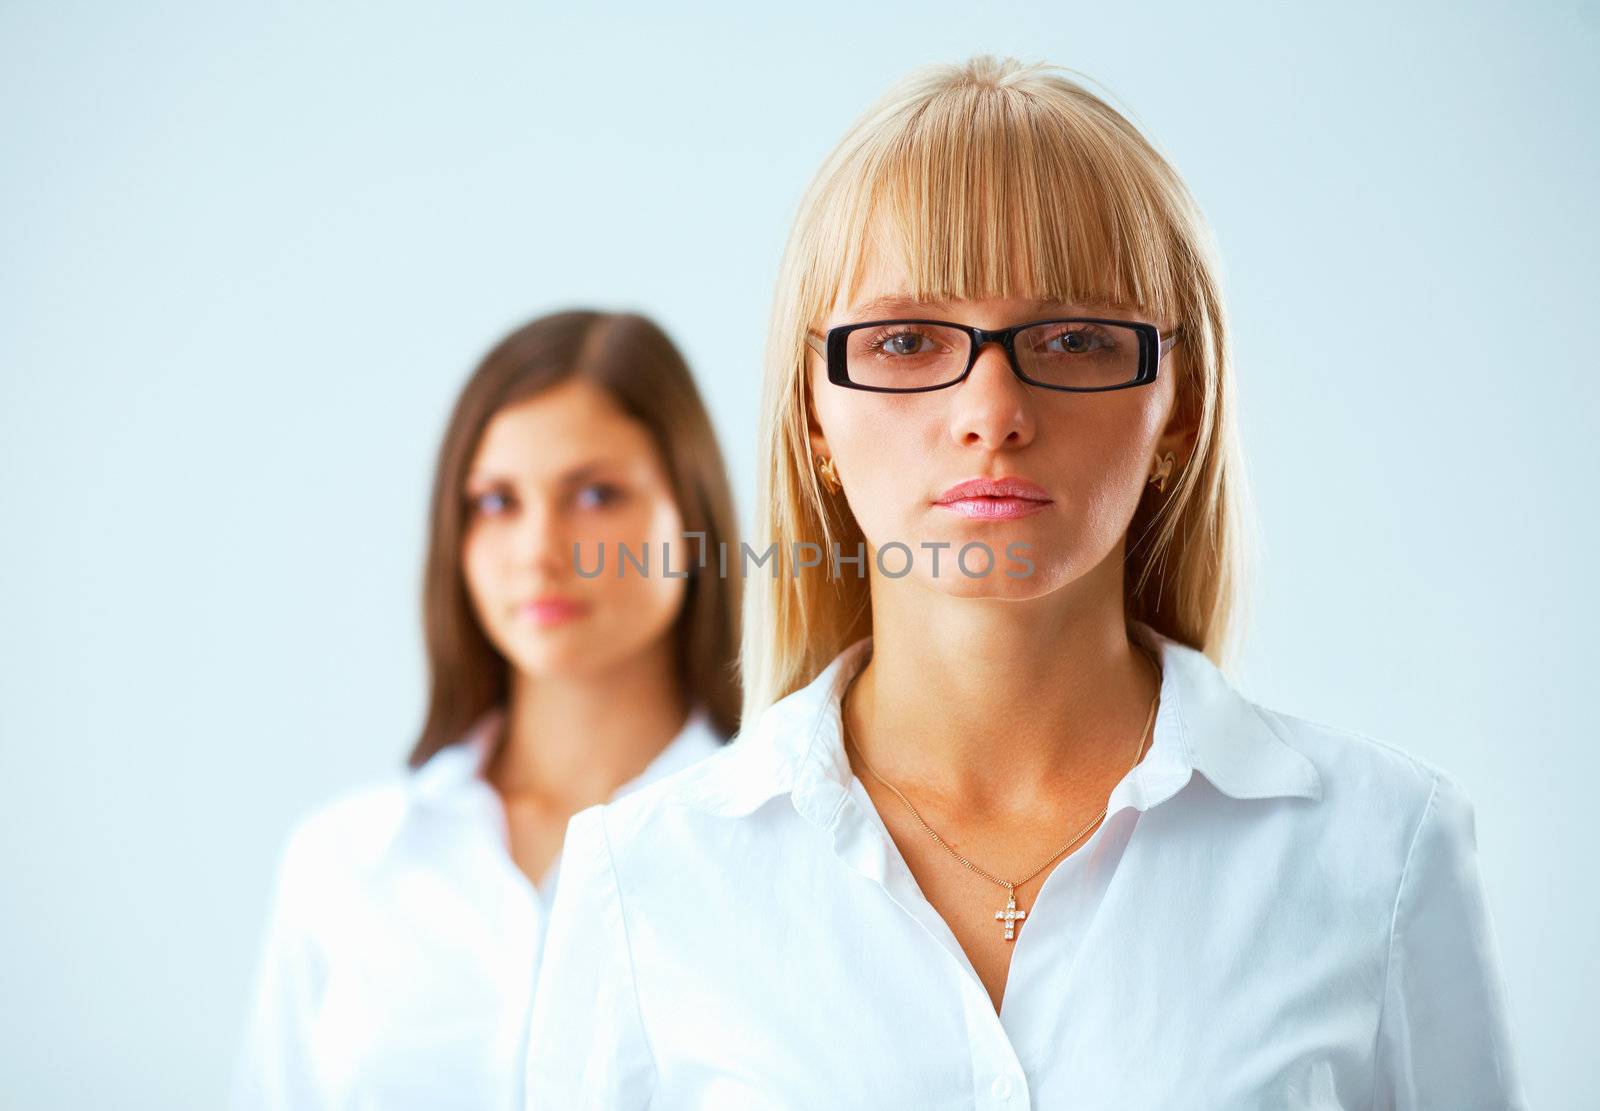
(549, 611)
(994, 499)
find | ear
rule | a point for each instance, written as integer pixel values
(1182, 430)
(819, 442)
(1179, 437)
(819, 445)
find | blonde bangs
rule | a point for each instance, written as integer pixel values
(985, 192)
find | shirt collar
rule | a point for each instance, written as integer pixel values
(456, 772)
(459, 765)
(1203, 724)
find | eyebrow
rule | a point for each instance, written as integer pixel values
(571, 476)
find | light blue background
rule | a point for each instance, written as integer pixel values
(248, 259)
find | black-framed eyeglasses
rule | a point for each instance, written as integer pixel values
(1077, 354)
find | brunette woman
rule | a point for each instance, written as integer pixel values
(408, 914)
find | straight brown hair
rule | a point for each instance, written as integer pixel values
(632, 360)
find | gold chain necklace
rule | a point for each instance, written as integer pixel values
(1012, 914)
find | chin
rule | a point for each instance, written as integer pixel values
(995, 586)
(555, 651)
(1023, 583)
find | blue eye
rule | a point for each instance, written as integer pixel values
(1078, 341)
(905, 342)
(490, 504)
(598, 495)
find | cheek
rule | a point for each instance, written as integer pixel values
(478, 563)
(1102, 467)
(884, 447)
(1107, 458)
(1102, 471)
(482, 561)
(637, 602)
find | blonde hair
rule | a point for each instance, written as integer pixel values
(997, 179)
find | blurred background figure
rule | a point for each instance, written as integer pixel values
(408, 915)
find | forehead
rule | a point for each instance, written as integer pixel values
(550, 431)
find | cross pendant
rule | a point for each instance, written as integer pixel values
(1010, 916)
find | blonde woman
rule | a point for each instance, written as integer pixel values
(1012, 839)
(407, 914)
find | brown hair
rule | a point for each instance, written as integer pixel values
(634, 362)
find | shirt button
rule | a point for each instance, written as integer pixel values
(1001, 1088)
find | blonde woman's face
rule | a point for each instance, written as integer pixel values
(564, 468)
(1090, 454)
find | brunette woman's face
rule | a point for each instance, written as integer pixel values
(568, 467)
(897, 454)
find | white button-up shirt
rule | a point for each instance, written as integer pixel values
(1299, 925)
(401, 947)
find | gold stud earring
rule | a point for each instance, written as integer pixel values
(830, 474)
(1162, 471)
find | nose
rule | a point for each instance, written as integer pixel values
(539, 539)
(992, 407)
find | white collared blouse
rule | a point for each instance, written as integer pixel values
(399, 957)
(1300, 925)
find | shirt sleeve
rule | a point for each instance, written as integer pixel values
(1444, 1037)
(586, 1039)
(273, 1069)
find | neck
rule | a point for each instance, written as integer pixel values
(1035, 701)
(573, 739)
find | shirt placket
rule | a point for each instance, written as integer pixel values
(524, 916)
(999, 1083)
